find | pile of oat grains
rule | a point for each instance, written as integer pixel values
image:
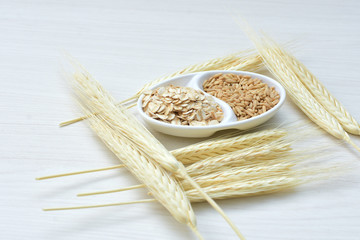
(248, 97)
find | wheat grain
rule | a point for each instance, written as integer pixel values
(248, 97)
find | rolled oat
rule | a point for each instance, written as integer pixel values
(181, 106)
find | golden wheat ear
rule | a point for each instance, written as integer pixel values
(225, 144)
(278, 65)
(319, 91)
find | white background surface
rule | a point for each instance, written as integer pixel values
(125, 44)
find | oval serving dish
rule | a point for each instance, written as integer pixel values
(196, 80)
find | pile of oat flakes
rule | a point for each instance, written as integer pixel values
(181, 106)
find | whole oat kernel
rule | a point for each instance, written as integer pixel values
(248, 97)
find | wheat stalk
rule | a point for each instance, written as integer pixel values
(99, 205)
(80, 172)
(214, 147)
(318, 90)
(123, 123)
(298, 92)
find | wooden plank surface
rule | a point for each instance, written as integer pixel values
(126, 44)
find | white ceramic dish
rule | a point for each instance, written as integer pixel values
(195, 80)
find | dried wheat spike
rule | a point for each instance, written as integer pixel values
(225, 144)
(318, 90)
(251, 63)
(245, 60)
(245, 189)
(297, 91)
(163, 187)
(242, 156)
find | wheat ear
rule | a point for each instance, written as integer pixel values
(124, 122)
(246, 59)
(298, 92)
(164, 188)
(242, 156)
(242, 189)
(240, 174)
(126, 125)
(214, 147)
(285, 178)
(318, 90)
(251, 63)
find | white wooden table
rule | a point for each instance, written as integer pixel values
(125, 44)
